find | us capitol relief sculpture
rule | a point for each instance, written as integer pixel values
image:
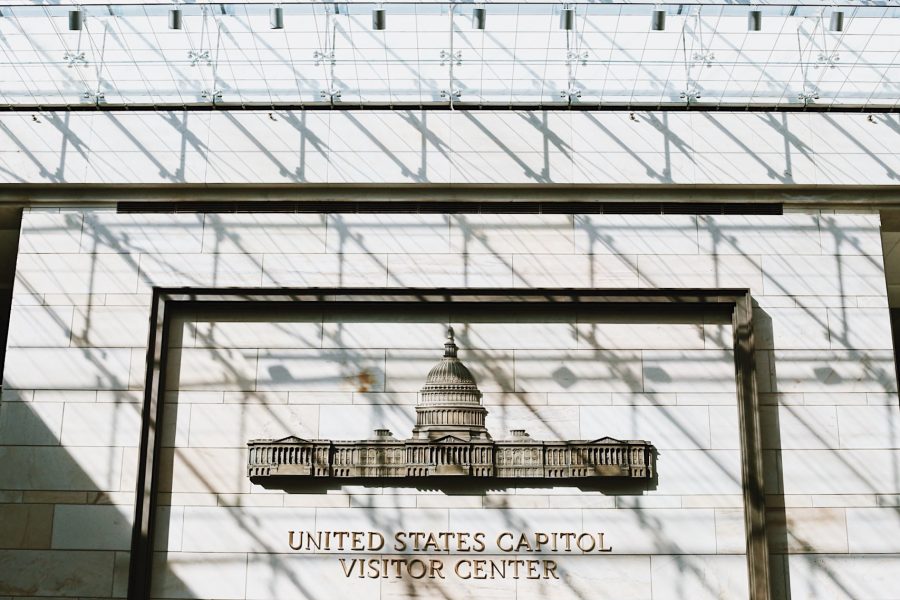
(451, 440)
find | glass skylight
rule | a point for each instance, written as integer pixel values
(431, 54)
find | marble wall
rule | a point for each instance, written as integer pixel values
(556, 372)
(69, 416)
(415, 146)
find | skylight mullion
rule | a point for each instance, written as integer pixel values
(681, 44)
(260, 67)
(41, 52)
(887, 68)
(114, 24)
(640, 64)
(543, 80)
(515, 62)
(16, 66)
(223, 34)
(612, 47)
(763, 71)
(165, 60)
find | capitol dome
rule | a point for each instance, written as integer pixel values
(450, 382)
(450, 401)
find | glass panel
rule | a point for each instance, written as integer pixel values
(430, 53)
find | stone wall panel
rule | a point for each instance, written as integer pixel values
(75, 372)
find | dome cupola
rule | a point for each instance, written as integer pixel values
(450, 382)
(450, 402)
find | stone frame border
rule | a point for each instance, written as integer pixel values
(168, 301)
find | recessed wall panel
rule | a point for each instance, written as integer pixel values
(558, 372)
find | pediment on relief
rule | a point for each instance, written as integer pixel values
(291, 439)
(449, 439)
(606, 440)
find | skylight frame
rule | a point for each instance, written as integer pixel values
(227, 56)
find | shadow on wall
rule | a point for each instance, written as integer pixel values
(10, 222)
(65, 526)
(44, 531)
(786, 529)
(68, 468)
(364, 327)
(413, 146)
(770, 430)
(783, 537)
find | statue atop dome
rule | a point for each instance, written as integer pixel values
(450, 401)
